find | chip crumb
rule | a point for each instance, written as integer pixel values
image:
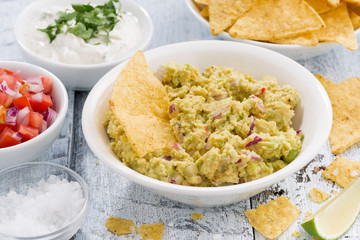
(316, 170)
(335, 192)
(318, 196)
(273, 218)
(151, 231)
(342, 171)
(120, 226)
(97, 163)
(196, 216)
(296, 234)
(308, 213)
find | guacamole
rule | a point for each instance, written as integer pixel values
(229, 127)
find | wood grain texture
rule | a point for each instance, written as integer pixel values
(114, 195)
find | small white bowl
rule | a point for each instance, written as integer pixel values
(22, 177)
(79, 76)
(32, 149)
(296, 52)
(313, 114)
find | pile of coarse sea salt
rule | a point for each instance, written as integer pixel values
(48, 207)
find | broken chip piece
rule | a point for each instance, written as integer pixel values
(273, 218)
(120, 226)
(342, 171)
(151, 231)
(318, 196)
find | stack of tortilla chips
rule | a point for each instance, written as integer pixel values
(302, 22)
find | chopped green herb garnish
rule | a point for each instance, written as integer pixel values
(86, 21)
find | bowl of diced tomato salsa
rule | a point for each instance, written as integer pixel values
(33, 106)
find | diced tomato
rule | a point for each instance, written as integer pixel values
(9, 79)
(18, 78)
(36, 119)
(22, 102)
(47, 84)
(28, 132)
(41, 106)
(6, 138)
(5, 99)
(2, 70)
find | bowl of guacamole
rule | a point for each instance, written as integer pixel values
(239, 117)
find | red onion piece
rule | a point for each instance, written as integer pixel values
(38, 97)
(18, 136)
(43, 126)
(255, 156)
(217, 115)
(51, 116)
(35, 88)
(23, 116)
(172, 181)
(240, 180)
(34, 80)
(260, 106)
(167, 158)
(4, 87)
(177, 146)
(11, 116)
(298, 132)
(253, 142)
(252, 125)
(239, 161)
(174, 110)
(252, 96)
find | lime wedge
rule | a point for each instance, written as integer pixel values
(337, 216)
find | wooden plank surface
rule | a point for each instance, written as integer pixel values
(113, 195)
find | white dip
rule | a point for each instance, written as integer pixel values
(68, 48)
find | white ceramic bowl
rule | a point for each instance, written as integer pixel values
(313, 115)
(32, 149)
(22, 177)
(80, 76)
(296, 52)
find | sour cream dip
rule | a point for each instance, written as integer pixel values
(68, 48)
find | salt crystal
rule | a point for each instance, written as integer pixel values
(335, 172)
(48, 207)
(354, 173)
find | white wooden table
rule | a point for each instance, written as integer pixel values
(116, 196)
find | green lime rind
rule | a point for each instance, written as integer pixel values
(310, 228)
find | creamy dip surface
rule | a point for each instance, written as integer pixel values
(68, 48)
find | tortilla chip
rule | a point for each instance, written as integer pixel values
(320, 6)
(120, 226)
(318, 196)
(275, 19)
(223, 13)
(342, 171)
(196, 216)
(205, 12)
(306, 39)
(355, 19)
(203, 2)
(338, 31)
(273, 218)
(352, 1)
(151, 231)
(334, 3)
(345, 103)
(140, 103)
(355, 7)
